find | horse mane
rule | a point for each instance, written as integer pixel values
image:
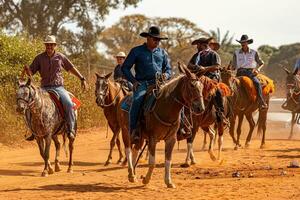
(209, 87)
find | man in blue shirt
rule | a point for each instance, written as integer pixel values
(148, 60)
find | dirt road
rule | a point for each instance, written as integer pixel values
(20, 170)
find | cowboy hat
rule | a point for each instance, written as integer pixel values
(214, 42)
(245, 38)
(121, 54)
(50, 39)
(153, 32)
(201, 41)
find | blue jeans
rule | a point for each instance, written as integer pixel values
(137, 102)
(249, 73)
(67, 105)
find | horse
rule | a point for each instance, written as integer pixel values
(44, 119)
(108, 96)
(242, 104)
(162, 122)
(206, 120)
(292, 100)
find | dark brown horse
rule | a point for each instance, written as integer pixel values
(242, 105)
(162, 122)
(45, 121)
(207, 121)
(292, 102)
(108, 96)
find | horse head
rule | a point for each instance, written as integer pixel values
(192, 93)
(226, 75)
(26, 95)
(101, 90)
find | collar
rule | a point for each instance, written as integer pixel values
(154, 50)
(241, 51)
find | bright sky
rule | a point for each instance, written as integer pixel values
(270, 22)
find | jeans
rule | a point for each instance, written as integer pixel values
(249, 73)
(67, 105)
(137, 102)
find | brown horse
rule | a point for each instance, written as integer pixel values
(108, 96)
(206, 121)
(242, 105)
(45, 121)
(162, 122)
(292, 102)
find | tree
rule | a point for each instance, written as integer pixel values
(126, 35)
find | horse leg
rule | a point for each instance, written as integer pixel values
(40, 142)
(47, 152)
(151, 148)
(293, 121)
(232, 127)
(264, 128)
(121, 156)
(71, 147)
(57, 153)
(190, 154)
(220, 140)
(169, 145)
(216, 133)
(204, 141)
(239, 131)
(112, 145)
(211, 143)
(251, 122)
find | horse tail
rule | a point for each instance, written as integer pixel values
(261, 121)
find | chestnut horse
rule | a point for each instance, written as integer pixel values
(162, 122)
(108, 96)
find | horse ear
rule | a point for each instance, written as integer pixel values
(183, 68)
(29, 82)
(286, 70)
(108, 75)
(97, 75)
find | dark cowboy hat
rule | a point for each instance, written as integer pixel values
(201, 41)
(153, 32)
(245, 38)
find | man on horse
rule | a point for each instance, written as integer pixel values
(248, 63)
(118, 74)
(207, 58)
(149, 60)
(49, 64)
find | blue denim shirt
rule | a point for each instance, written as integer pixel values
(297, 65)
(147, 64)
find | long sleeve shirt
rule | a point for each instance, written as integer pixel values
(50, 68)
(118, 74)
(146, 64)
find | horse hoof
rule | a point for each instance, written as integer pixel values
(171, 185)
(212, 157)
(50, 171)
(70, 171)
(120, 161)
(44, 174)
(57, 169)
(185, 165)
(107, 163)
(145, 181)
(132, 179)
(247, 145)
(193, 162)
(263, 146)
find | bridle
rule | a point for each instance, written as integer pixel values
(104, 94)
(30, 100)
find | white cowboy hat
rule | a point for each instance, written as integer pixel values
(50, 39)
(121, 54)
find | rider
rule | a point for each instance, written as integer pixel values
(149, 59)
(208, 59)
(213, 44)
(248, 63)
(118, 74)
(49, 64)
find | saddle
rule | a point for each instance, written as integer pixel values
(266, 83)
(148, 104)
(56, 99)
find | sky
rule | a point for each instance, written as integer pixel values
(270, 22)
